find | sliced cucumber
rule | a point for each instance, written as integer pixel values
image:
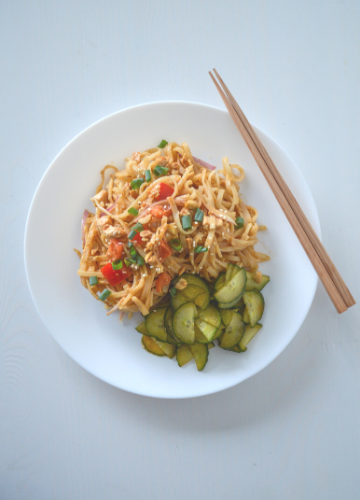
(188, 294)
(233, 289)
(231, 270)
(255, 304)
(199, 336)
(245, 316)
(226, 315)
(171, 338)
(142, 328)
(233, 332)
(151, 346)
(183, 323)
(183, 355)
(211, 345)
(236, 348)
(169, 349)
(219, 282)
(208, 322)
(201, 354)
(155, 324)
(200, 300)
(219, 331)
(230, 305)
(249, 334)
(253, 285)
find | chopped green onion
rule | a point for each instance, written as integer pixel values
(128, 262)
(133, 251)
(172, 292)
(136, 183)
(200, 249)
(199, 215)
(176, 244)
(162, 144)
(239, 222)
(186, 222)
(147, 176)
(93, 280)
(138, 227)
(132, 234)
(117, 264)
(139, 260)
(133, 211)
(159, 170)
(104, 294)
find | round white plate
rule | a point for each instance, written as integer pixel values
(111, 350)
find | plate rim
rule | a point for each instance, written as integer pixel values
(26, 244)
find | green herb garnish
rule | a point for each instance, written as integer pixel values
(117, 264)
(136, 183)
(176, 244)
(186, 222)
(199, 215)
(104, 294)
(93, 280)
(159, 170)
(162, 144)
(239, 222)
(200, 249)
(133, 211)
(147, 176)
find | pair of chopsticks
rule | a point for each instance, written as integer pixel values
(327, 272)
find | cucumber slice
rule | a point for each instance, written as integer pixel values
(219, 331)
(236, 348)
(155, 324)
(231, 270)
(230, 305)
(245, 316)
(203, 300)
(253, 285)
(201, 355)
(200, 337)
(151, 346)
(219, 282)
(183, 323)
(233, 289)
(226, 315)
(255, 304)
(208, 322)
(183, 355)
(233, 332)
(169, 349)
(210, 345)
(249, 334)
(142, 328)
(171, 338)
(188, 294)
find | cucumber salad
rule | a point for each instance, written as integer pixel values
(195, 313)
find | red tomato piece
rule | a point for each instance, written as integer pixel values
(115, 277)
(115, 250)
(164, 192)
(164, 251)
(159, 212)
(163, 280)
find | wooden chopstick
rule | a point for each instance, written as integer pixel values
(330, 277)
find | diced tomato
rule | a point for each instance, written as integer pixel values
(164, 192)
(137, 240)
(159, 212)
(164, 251)
(115, 277)
(115, 250)
(163, 280)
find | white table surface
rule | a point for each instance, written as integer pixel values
(290, 432)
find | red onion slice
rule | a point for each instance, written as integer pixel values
(83, 222)
(204, 163)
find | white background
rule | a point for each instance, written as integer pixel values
(290, 432)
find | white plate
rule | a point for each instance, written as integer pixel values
(100, 344)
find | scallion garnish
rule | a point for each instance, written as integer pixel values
(117, 264)
(138, 227)
(162, 144)
(200, 249)
(176, 244)
(93, 280)
(133, 251)
(128, 262)
(199, 215)
(159, 170)
(139, 260)
(186, 222)
(239, 222)
(104, 294)
(172, 292)
(132, 234)
(147, 176)
(136, 183)
(133, 211)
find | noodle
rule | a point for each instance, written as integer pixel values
(192, 186)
